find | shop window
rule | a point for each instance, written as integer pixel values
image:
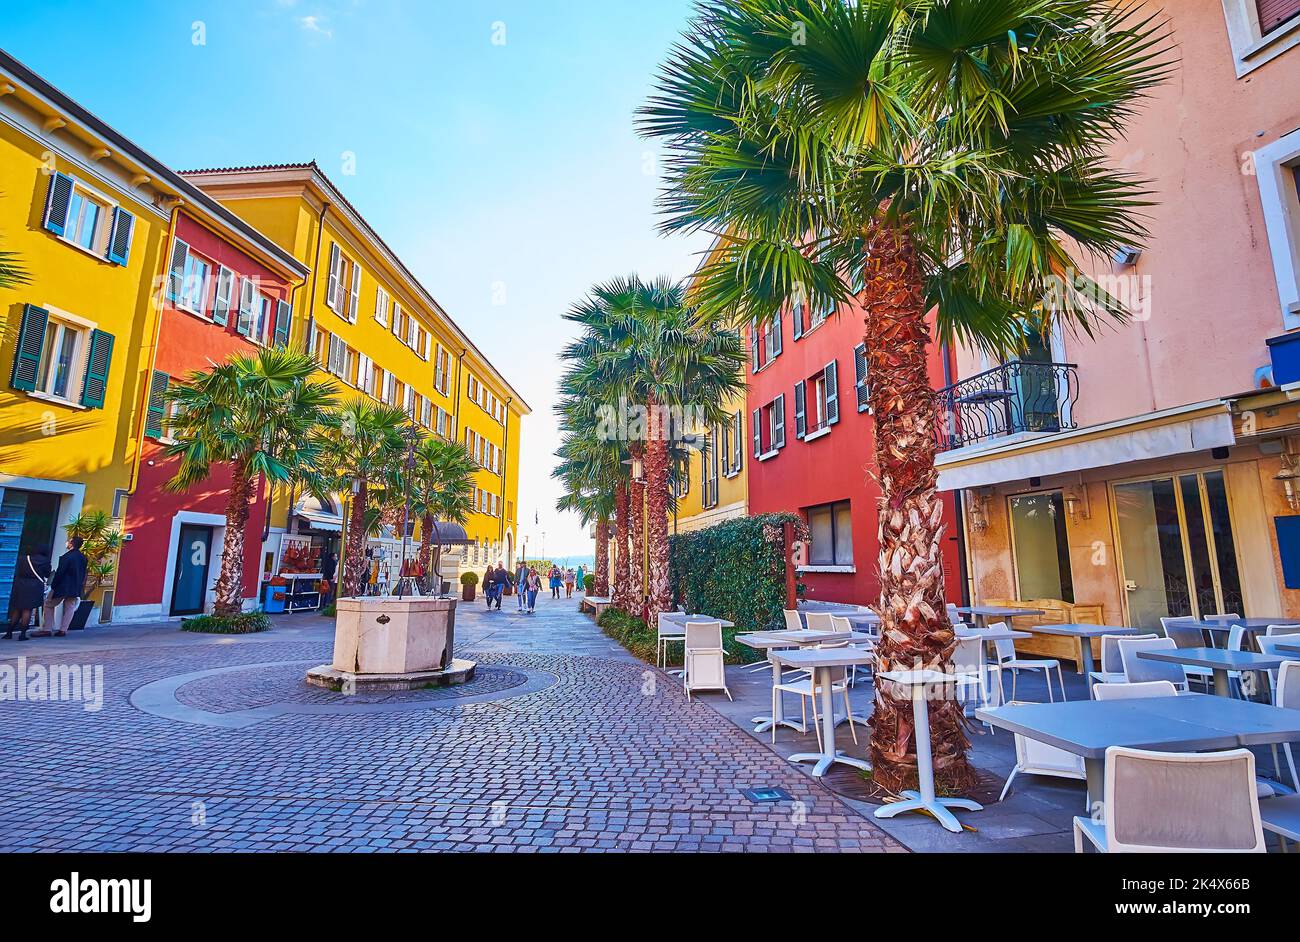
(1042, 551)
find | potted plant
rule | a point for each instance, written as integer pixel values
(468, 580)
(102, 540)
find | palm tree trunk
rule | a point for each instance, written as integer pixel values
(621, 501)
(914, 631)
(229, 591)
(636, 566)
(426, 550)
(601, 587)
(354, 569)
(656, 473)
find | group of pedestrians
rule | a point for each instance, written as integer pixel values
(39, 585)
(527, 582)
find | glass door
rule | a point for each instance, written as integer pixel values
(190, 580)
(1176, 547)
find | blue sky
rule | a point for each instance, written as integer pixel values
(493, 141)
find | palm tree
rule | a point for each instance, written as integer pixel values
(644, 344)
(912, 155)
(257, 415)
(442, 489)
(363, 449)
(592, 468)
(12, 272)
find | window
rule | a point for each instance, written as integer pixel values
(441, 370)
(764, 343)
(802, 323)
(769, 428)
(733, 448)
(831, 529)
(1041, 549)
(343, 289)
(60, 357)
(709, 470)
(194, 285)
(1260, 30)
(86, 219)
(1277, 169)
(817, 403)
(224, 297)
(366, 375)
(443, 426)
(381, 306)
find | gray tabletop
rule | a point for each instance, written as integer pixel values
(988, 634)
(1289, 648)
(997, 610)
(1083, 631)
(1224, 623)
(682, 618)
(763, 640)
(1214, 658)
(1087, 728)
(829, 657)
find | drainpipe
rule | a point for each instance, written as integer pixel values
(505, 466)
(153, 352)
(963, 569)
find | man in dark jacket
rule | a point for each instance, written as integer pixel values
(65, 588)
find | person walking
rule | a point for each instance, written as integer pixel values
(65, 588)
(568, 583)
(487, 586)
(521, 583)
(329, 565)
(534, 586)
(582, 579)
(555, 582)
(502, 579)
(31, 576)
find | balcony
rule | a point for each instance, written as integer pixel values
(1018, 397)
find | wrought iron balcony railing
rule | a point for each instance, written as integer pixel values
(1019, 396)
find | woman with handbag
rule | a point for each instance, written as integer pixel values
(28, 591)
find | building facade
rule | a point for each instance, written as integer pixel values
(227, 292)
(1147, 470)
(376, 330)
(713, 484)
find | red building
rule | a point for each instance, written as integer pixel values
(229, 290)
(813, 441)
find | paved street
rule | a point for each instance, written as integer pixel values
(564, 742)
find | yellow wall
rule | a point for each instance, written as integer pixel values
(47, 439)
(732, 491)
(290, 213)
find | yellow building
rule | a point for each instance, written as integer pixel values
(88, 215)
(715, 486)
(373, 326)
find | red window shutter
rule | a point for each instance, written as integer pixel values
(1273, 13)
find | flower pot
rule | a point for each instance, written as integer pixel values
(467, 593)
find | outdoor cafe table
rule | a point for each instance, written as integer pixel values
(1188, 723)
(820, 661)
(1225, 623)
(991, 634)
(767, 641)
(681, 618)
(983, 613)
(924, 799)
(856, 619)
(1085, 634)
(1218, 660)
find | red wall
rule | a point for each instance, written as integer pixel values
(837, 465)
(187, 343)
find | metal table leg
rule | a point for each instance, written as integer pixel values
(830, 755)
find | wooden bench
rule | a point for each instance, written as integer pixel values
(1055, 612)
(596, 603)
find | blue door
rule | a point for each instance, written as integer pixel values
(13, 508)
(190, 578)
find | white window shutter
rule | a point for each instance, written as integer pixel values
(800, 409)
(758, 432)
(778, 422)
(832, 392)
(356, 292)
(332, 288)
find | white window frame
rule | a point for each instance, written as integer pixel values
(183, 299)
(80, 351)
(1276, 173)
(382, 302)
(1250, 47)
(103, 226)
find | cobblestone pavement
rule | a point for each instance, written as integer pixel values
(611, 756)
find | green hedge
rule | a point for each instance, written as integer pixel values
(245, 624)
(639, 638)
(735, 570)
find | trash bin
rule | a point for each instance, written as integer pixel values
(274, 599)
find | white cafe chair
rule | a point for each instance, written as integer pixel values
(840, 623)
(1040, 758)
(1138, 670)
(792, 620)
(820, 621)
(1176, 802)
(1112, 670)
(669, 632)
(1287, 695)
(971, 667)
(1008, 659)
(1120, 690)
(705, 658)
(1186, 635)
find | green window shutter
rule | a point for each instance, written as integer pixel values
(97, 364)
(57, 200)
(283, 318)
(119, 240)
(800, 409)
(157, 412)
(31, 338)
(832, 392)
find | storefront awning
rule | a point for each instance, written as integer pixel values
(318, 515)
(1198, 427)
(452, 534)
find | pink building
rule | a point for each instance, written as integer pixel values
(1139, 471)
